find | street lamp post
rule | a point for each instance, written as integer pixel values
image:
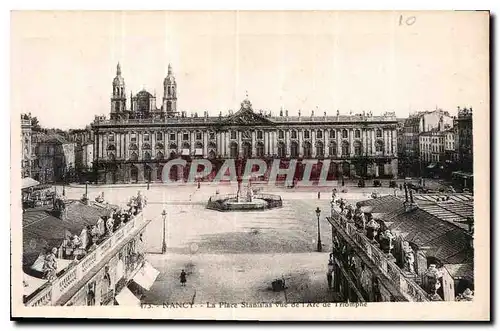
(318, 213)
(86, 188)
(164, 244)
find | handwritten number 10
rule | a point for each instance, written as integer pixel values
(407, 21)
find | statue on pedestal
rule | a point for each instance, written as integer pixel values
(409, 258)
(386, 241)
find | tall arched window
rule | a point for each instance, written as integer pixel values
(345, 148)
(281, 150)
(307, 149)
(234, 150)
(379, 146)
(345, 134)
(133, 156)
(294, 149)
(333, 134)
(333, 149)
(294, 134)
(357, 148)
(320, 151)
(260, 149)
(379, 133)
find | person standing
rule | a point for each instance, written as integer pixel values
(329, 274)
(319, 195)
(183, 278)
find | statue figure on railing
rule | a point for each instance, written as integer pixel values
(50, 265)
(432, 282)
(386, 241)
(100, 198)
(409, 258)
(372, 228)
(141, 200)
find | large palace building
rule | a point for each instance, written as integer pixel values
(138, 139)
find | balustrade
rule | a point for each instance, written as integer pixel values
(385, 264)
(55, 290)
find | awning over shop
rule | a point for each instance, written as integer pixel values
(28, 182)
(127, 298)
(146, 276)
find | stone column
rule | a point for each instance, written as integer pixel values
(287, 142)
(338, 134)
(313, 143)
(240, 143)
(274, 143)
(351, 142)
(254, 134)
(105, 144)
(192, 135)
(301, 140)
(394, 142)
(372, 134)
(326, 146)
(125, 147)
(218, 140)
(364, 142)
(205, 143)
(226, 144)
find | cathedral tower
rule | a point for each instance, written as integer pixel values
(118, 99)
(170, 93)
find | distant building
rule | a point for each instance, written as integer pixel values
(26, 158)
(54, 157)
(409, 146)
(138, 139)
(464, 165)
(464, 138)
(84, 147)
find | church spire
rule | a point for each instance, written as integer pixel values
(118, 69)
(169, 69)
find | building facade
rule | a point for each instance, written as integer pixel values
(26, 150)
(54, 158)
(134, 144)
(416, 124)
(464, 138)
(84, 147)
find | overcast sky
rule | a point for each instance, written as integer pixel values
(63, 63)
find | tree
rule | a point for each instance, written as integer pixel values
(35, 125)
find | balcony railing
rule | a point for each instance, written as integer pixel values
(406, 285)
(54, 290)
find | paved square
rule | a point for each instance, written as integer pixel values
(233, 256)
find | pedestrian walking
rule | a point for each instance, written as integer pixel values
(343, 183)
(329, 274)
(319, 195)
(183, 278)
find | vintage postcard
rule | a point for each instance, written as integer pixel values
(250, 165)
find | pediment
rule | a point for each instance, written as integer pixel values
(247, 117)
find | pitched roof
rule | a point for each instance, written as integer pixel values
(444, 240)
(42, 229)
(460, 270)
(383, 204)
